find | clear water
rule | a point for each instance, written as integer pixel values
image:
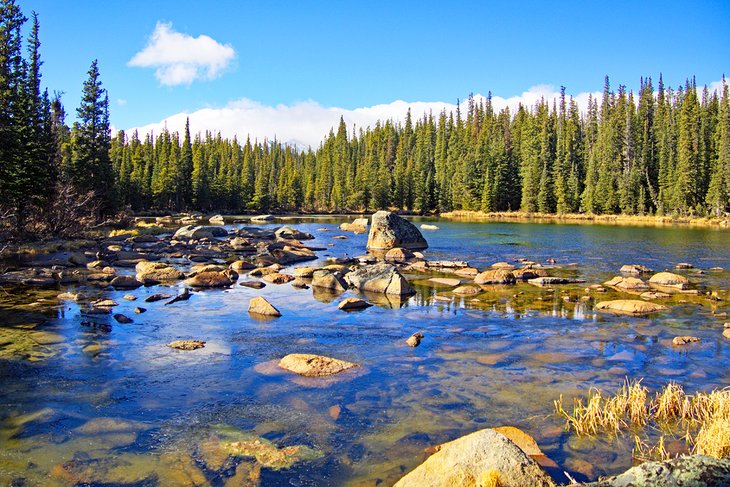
(84, 405)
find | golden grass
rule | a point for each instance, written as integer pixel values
(703, 419)
(588, 218)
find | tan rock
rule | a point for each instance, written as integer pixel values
(627, 283)
(278, 278)
(445, 281)
(670, 280)
(305, 272)
(329, 280)
(635, 269)
(388, 230)
(261, 306)
(495, 276)
(654, 295)
(241, 265)
(126, 282)
(467, 290)
(527, 273)
(630, 306)
(467, 460)
(398, 255)
(379, 278)
(210, 279)
(467, 272)
(415, 339)
(683, 340)
(157, 272)
(186, 344)
(309, 365)
(503, 265)
(351, 304)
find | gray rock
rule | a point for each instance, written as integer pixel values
(190, 232)
(694, 470)
(379, 278)
(388, 230)
(292, 233)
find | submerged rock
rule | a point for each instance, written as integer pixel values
(380, 278)
(551, 280)
(309, 365)
(683, 340)
(475, 459)
(389, 230)
(630, 306)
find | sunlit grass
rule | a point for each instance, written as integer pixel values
(703, 419)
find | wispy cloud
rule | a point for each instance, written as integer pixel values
(307, 123)
(180, 59)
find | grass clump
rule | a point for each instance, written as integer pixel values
(702, 419)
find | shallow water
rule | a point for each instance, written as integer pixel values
(81, 404)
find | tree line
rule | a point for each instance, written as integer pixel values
(658, 151)
(52, 177)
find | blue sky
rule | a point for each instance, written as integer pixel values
(299, 64)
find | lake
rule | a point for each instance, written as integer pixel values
(85, 404)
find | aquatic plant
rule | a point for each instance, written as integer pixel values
(702, 419)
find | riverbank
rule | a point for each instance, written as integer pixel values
(585, 218)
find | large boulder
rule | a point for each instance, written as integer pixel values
(309, 365)
(260, 306)
(190, 232)
(388, 230)
(630, 307)
(476, 459)
(151, 272)
(290, 255)
(292, 233)
(379, 278)
(695, 470)
(627, 283)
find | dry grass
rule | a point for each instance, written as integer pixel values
(588, 218)
(703, 419)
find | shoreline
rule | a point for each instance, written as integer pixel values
(589, 219)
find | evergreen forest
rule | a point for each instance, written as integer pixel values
(655, 151)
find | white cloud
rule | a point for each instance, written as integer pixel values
(307, 123)
(121, 102)
(180, 58)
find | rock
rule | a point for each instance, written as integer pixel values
(130, 297)
(69, 296)
(388, 230)
(694, 470)
(260, 306)
(217, 220)
(502, 265)
(290, 233)
(469, 272)
(156, 297)
(527, 273)
(475, 459)
(308, 365)
(635, 269)
(186, 344)
(669, 279)
(105, 303)
(252, 284)
(467, 290)
(123, 319)
(262, 271)
(379, 278)
(684, 265)
(398, 255)
(241, 265)
(358, 225)
(262, 218)
(139, 310)
(326, 279)
(495, 276)
(363, 222)
(305, 272)
(183, 296)
(726, 333)
(290, 255)
(190, 232)
(550, 281)
(445, 281)
(126, 282)
(627, 283)
(415, 339)
(78, 259)
(278, 278)
(153, 272)
(654, 295)
(630, 306)
(299, 284)
(426, 226)
(210, 279)
(352, 304)
(683, 340)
